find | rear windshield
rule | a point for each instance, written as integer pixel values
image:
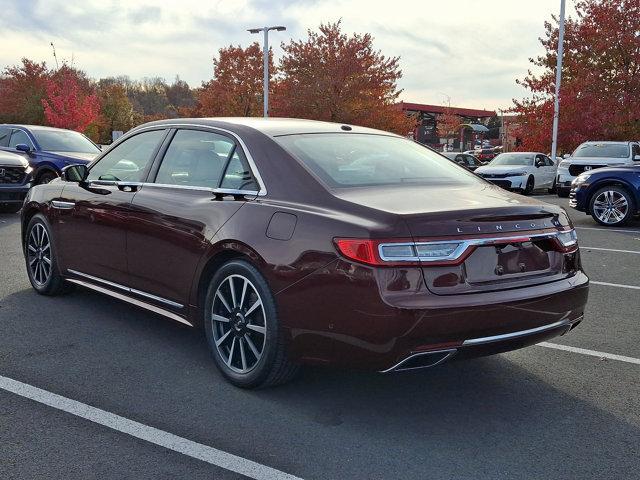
(609, 150)
(64, 141)
(353, 159)
(512, 159)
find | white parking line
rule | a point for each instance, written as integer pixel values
(619, 285)
(164, 439)
(592, 353)
(608, 229)
(609, 250)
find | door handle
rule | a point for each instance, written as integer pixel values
(128, 186)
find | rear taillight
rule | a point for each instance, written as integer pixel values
(441, 252)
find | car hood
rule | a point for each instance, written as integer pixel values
(502, 169)
(84, 157)
(597, 161)
(458, 209)
(8, 159)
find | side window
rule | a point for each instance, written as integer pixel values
(128, 160)
(548, 161)
(540, 161)
(238, 174)
(5, 133)
(205, 159)
(18, 137)
(635, 150)
(195, 158)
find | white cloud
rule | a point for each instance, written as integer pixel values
(470, 50)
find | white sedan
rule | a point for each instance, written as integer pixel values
(522, 171)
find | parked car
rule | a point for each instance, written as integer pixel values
(15, 181)
(47, 149)
(485, 154)
(592, 155)
(294, 241)
(468, 161)
(610, 195)
(523, 171)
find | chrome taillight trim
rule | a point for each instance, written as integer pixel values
(465, 245)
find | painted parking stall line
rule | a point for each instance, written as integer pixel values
(610, 250)
(592, 353)
(149, 434)
(608, 229)
(617, 285)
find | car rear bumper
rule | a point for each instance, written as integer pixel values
(362, 320)
(509, 183)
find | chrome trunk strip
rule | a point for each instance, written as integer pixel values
(522, 333)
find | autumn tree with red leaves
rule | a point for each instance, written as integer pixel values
(600, 91)
(448, 124)
(236, 87)
(22, 88)
(70, 102)
(339, 78)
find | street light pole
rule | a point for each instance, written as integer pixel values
(265, 62)
(556, 105)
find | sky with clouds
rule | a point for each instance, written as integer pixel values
(469, 50)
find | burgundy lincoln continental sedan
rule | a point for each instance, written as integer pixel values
(299, 242)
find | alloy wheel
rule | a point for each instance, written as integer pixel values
(610, 207)
(238, 321)
(39, 254)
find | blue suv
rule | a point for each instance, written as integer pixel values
(610, 195)
(47, 149)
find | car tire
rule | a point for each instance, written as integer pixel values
(530, 186)
(40, 258)
(612, 206)
(46, 177)
(553, 187)
(242, 328)
(10, 208)
(563, 192)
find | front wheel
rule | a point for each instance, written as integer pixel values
(42, 267)
(46, 177)
(612, 206)
(10, 208)
(243, 330)
(530, 185)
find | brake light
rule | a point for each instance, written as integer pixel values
(360, 250)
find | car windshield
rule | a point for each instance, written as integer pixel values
(64, 141)
(608, 150)
(352, 160)
(512, 159)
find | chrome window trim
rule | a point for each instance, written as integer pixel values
(465, 244)
(227, 191)
(254, 168)
(126, 289)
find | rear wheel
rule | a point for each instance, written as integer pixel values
(243, 330)
(41, 260)
(612, 206)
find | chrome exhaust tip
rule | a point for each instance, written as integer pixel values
(416, 361)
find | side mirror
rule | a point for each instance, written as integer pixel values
(23, 147)
(636, 158)
(566, 155)
(539, 164)
(75, 173)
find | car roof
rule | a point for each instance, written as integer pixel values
(272, 126)
(34, 127)
(609, 142)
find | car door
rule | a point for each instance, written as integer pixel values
(93, 217)
(177, 212)
(552, 169)
(540, 171)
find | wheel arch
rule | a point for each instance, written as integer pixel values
(219, 254)
(44, 168)
(609, 183)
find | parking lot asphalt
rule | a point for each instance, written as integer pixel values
(534, 413)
